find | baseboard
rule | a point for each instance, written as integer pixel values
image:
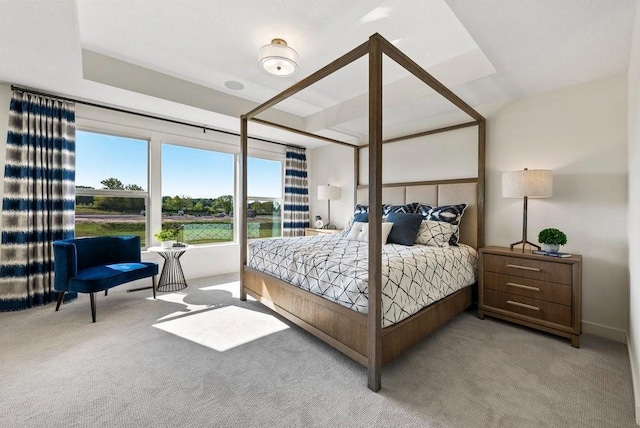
(634, 380)
(604, 331)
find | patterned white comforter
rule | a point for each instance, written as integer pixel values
(337, 269)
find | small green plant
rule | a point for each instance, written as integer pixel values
(166, 235)
(552, 236)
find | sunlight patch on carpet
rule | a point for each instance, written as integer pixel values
(232, 287)
(225, 328)
(178, 298)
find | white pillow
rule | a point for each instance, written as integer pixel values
(347, 228)
(353, 232)
(435, 233)
(360, 231)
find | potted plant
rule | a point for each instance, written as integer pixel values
(551, 239)
(167, 237)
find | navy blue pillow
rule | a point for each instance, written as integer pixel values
(405, 228)
(362, 217)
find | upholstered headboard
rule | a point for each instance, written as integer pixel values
(435, 194)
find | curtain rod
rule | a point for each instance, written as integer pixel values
(148, 116)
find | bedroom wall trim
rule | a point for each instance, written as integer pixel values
(375, 47)
(605, 331)
(635, 382)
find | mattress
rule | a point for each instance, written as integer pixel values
(336, 268)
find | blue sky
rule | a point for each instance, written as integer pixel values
(185, 171)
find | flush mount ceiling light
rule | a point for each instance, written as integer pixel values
(278, 59)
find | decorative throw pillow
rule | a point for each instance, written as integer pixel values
(360, 231)
(447, 213)
(388, 209)
(362, 217)
(356, 227)
(359, 209)
(347, 228)
(435, 233)
(414, 207)
(405, 228)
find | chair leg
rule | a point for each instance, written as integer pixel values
(154, 286)
(60, 296)
(92, 296)
(106, 291)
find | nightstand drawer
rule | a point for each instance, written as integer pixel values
(552, 312)
(529, 268)
(527, 287)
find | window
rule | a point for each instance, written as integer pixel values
(197, 194)
(111, 183)
(198, 188)
(264, 188)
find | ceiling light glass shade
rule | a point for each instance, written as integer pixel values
(278, 59)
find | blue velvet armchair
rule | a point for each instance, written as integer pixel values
(90, 265)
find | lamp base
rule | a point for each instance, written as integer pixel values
(329, 226)
(524, 244)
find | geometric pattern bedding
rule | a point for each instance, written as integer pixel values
(336, 268)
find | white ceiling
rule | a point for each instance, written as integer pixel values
(172, 57)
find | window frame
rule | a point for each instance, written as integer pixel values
(145, 195)
(156, 134)
(180, 141)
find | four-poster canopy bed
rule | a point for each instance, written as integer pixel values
(361, 335)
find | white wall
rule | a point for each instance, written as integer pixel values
(580, 133)
(331, 164)
(402, 161)
(419, 159)
(634, 209)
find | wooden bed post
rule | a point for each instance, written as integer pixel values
(374, 321)
(356, 173)
(482, 138)
(242, 205)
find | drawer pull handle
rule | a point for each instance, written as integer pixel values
(523, 267)
(526, 287)
(522, 305)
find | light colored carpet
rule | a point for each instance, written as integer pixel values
(155, 363)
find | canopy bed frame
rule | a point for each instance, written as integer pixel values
(361, 336)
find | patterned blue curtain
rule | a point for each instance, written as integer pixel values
(296, 193)
(39, 197)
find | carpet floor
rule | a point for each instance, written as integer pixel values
(202, 358)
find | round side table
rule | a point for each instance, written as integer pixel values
(171, 277)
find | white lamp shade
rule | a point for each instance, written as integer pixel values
(278, 59)
(328, 192)
(533, 183)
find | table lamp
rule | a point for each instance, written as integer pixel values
(528, 183)
(328, 192)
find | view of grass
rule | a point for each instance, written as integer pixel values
(196, 220)
(268, 227)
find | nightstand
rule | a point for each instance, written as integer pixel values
(541, 292)
(312, 232)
